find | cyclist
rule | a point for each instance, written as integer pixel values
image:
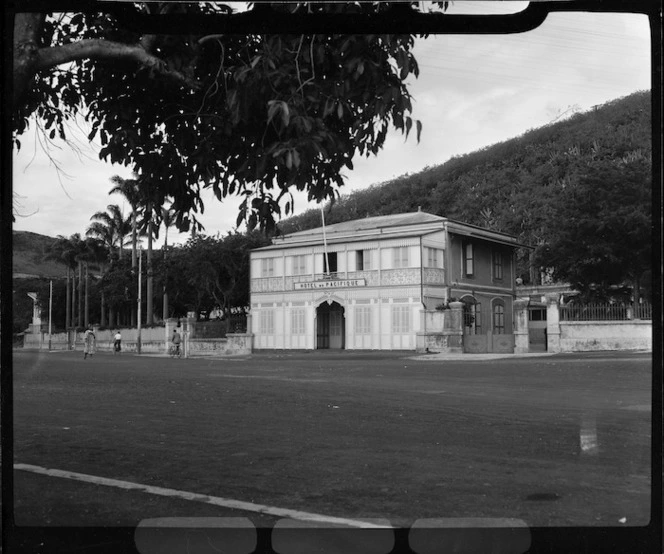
(176, 339)
(117, 345)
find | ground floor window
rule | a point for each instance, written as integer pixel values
(400, 319)
(297, 321)
(267, 322)
(363, 320)
(499, 319)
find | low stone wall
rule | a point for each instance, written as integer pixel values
(439, 342)
(442, 330)
(235, 344)
(39, 341)
(147, 347)
(153, 341)
(585, 336)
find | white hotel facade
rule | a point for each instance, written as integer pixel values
(383, 272)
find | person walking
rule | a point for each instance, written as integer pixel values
(176, 339)
(117, 344)
(88, 343)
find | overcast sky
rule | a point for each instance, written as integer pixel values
(473, 91)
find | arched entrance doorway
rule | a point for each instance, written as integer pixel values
(330, 326)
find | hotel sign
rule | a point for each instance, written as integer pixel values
(330, 284)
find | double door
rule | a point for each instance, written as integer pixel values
(330, 326)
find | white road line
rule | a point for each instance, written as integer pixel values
(214, 500)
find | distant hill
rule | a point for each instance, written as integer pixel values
(30, 250)
(502, 186)
(520, 186)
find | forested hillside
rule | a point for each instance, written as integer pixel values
(577, 190)
(30, 256)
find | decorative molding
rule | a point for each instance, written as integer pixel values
(404, 276)
(433, 276)
(329, 297)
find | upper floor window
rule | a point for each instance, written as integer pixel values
(468, 259)
(299, 265)
(434, 257)
(363, 260)
(400, 258)
(330, 259)
(267, 267)
(497, 264)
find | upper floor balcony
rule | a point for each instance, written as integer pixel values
(372, 278)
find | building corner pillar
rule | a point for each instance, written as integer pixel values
(455, 340)
(552, 323)
(521, 333)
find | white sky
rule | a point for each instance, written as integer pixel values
(473, 91)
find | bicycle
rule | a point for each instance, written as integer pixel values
(174, 351)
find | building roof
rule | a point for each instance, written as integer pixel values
(403, 225)
(371, 223)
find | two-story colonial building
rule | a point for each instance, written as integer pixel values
(364, 284)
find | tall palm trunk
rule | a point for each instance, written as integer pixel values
(87, 295)
(165, 293)
(165, 299)
(149, 307)
(68, 301)
(134, 238)
(80, 293)
(74, 323)
(133, 259)
(102, 318)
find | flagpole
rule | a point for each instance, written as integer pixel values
(327, 257)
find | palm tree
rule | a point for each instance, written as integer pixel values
(64, 251)
(98, 253)
(152, 215)
(73, 252)
(81, 255)
(168, 220)
(148, 229)
(130, 190)
(110, 227)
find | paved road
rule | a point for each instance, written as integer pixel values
(555, 440)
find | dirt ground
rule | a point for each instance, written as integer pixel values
(551, 441)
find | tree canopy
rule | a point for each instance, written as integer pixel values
(254, 115)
